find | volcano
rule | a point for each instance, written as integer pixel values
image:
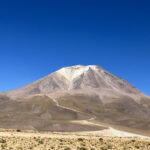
(76, 98)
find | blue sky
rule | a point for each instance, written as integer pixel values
(38, 37)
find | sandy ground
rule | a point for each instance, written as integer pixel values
(106, 133)
(31, 140)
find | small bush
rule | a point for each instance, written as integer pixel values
(82, 148)
(109, 147)
(41, 142)
(137, 147)
(67, 148)
(80, 139)
(104, 148)
(2, 141)
(18, 130)
(101, 139)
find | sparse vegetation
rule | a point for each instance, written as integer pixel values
(18, 130)
(2, 141)
(80, 139)
(101, 139)
(67, 148)
(73, 141)
(83, 148)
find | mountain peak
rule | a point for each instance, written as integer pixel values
(91, 78)
(73, 72)
(73, 94)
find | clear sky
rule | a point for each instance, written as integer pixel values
(38, 37)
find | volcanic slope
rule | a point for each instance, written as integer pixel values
(77, 98)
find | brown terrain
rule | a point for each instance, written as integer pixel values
(77, 99)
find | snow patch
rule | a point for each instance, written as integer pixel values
(70, 73)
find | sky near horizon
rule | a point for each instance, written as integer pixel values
(38, 37)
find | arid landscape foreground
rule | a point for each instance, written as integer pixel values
(75, 108)
(32, 140)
